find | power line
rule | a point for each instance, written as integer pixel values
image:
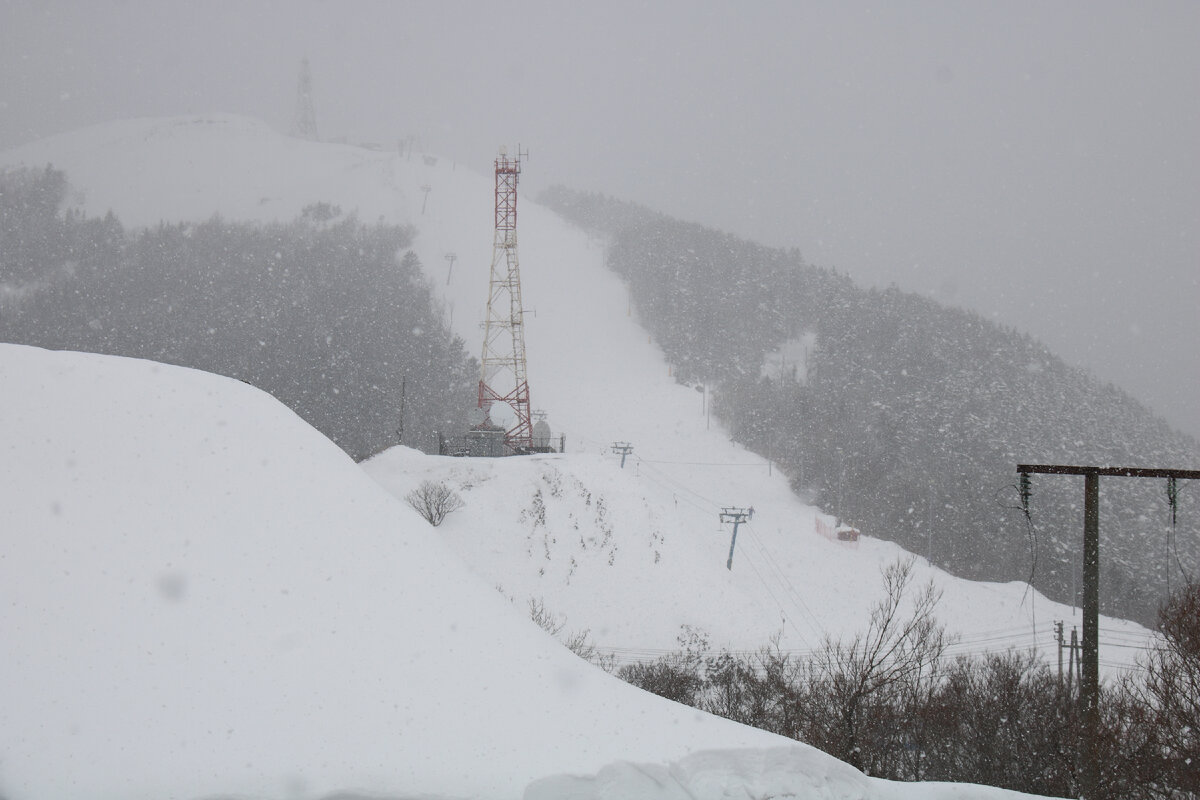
(680, 486)
(797, 600)
(709, 463)
(765, 585)
(974, 644)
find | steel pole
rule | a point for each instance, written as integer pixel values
(1089, 684)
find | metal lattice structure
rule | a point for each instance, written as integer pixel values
(502, 374)
(305, 124)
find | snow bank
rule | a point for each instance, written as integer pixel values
(199, 594)
(717, 774)
(784, 772)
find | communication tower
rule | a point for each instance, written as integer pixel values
(305, 124)
(502, 374)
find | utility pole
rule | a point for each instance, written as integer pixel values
(1089, 682)
(624, 448)
(1077, 651)
(403, 386)
(737, 516)
(451, 257)
(1058, 635)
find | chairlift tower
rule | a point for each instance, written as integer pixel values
(502, 370)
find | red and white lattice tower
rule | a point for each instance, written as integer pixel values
(502, 375)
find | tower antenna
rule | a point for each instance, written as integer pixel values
(305, 123)
(502, 364)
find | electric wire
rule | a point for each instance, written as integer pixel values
(798, 604)
(1173, 532)
(787, 620)
(789, 589)
(974, 644)
(678, 485)
(1024, 490)
(708, 463)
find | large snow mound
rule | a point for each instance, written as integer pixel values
(785, 772)
(202, 595)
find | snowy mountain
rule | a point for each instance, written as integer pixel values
(599, 377)
(225, 588)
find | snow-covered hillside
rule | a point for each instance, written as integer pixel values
(201, 596)
(208, 593)
(599, 377)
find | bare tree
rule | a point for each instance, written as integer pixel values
(897, 652)
(1169, 695)
(579, 642)
(434, 501)
(544, 618)
(1175, 679)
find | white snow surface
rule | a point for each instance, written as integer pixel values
(200, 595)
(203, 595)
(783, 772)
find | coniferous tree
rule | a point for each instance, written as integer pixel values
(332, 317)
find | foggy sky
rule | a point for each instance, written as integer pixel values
(1037, 162)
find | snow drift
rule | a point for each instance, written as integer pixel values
(201, 595)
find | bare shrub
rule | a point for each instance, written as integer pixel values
(671, 677)
(889, 701)
(433, 501)
(864, 676)
(1174, 682)
(1166, 701)
(544, 618)
(579, 642)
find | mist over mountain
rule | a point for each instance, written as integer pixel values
(846, 392)
(333, 317)
(898, 414)
(903, 416)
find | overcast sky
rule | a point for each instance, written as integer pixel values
(1038, 162)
